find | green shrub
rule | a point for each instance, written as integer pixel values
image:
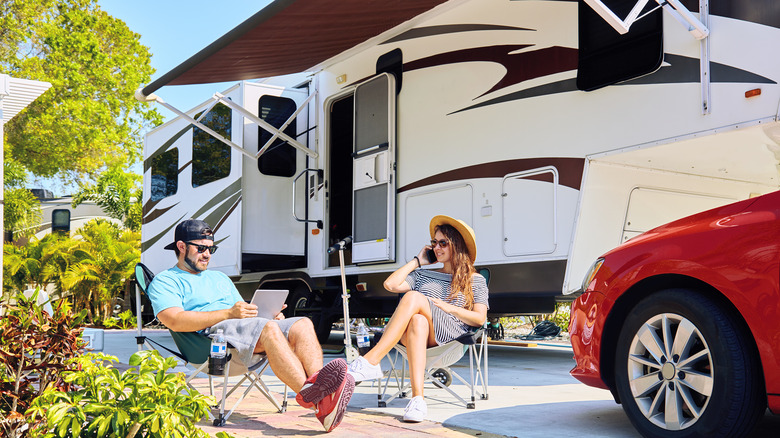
(35, 348)
(126, 320)
(146, 401)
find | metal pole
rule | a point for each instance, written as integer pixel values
(349, 350)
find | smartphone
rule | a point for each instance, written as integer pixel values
(431, 256)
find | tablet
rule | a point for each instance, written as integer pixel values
(269, 302)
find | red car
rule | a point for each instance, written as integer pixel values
(682, 323)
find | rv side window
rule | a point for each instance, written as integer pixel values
(165, 174)
(211, 157)
(279, 158)
(60, 221)
(606, 57)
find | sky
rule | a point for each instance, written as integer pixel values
(174, 30)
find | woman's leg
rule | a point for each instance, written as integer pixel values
(412, 303)
(418, 337)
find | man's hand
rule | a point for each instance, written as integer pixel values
(280, 315)
(242, 310)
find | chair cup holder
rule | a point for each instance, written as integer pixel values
(217, 366)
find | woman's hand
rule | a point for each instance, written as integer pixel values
(423, 256)
(447, 307)
(474, 318)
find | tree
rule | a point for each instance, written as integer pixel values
(89, 118)
(21, 209)
(118, 193)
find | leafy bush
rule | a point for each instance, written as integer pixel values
(126, 320)
(35, 348)
(90, 269)
(141, 402)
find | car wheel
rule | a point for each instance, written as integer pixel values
(684, 368)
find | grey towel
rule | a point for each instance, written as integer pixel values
(242, 334)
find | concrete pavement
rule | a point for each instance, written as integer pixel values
(531, 395)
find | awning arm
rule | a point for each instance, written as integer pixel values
(276, 132)
(265, 125)
(154, 98)
(677, 10)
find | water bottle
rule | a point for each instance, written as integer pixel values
(363, 342)
(218, 353)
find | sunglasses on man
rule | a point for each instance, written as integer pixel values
(202, 248)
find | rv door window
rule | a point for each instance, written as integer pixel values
(165, 174)
(60, 221)
(211, 157)
(279, 158)
(607, 57)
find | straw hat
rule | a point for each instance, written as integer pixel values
(465, 231)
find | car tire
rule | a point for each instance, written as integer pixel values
(300, 300)
(700, 379)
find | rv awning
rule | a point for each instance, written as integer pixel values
(291, 36)
(16, 94)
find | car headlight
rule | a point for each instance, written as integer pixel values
(592, 271)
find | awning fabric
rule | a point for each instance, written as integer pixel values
(291, 36)
(16, 94)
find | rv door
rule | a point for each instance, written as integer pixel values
(373, 167)
(272, 238)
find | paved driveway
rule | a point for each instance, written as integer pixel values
(531, 395)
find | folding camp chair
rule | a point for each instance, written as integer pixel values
(438, 363)
(438, 368)
(194, 350)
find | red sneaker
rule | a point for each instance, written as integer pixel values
(331, 409)
(324, 382)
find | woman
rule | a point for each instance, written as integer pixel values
(437, 307)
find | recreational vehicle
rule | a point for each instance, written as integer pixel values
(557, 129)
(59, 216)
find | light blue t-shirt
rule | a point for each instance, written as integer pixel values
(202, 292)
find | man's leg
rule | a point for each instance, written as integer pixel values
(283, 361)
(303, 341)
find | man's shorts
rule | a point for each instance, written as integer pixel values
(243, 334)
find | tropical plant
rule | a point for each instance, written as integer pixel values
(125, 320)
(27, 266)
(106, 257)
(146, 401)
(90, 269)
(34, 350)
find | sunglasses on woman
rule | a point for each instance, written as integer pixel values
(442, 243)
(202, 248)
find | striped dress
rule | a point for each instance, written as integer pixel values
(434, 284)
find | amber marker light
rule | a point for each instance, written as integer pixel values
(752, 93)
(315, 231)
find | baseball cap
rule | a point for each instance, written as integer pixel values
(191, 229)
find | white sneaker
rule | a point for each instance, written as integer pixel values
(362, 370)
(416, 410)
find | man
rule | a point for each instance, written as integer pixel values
(189, 298)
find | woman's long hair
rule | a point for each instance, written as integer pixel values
(462, 267)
